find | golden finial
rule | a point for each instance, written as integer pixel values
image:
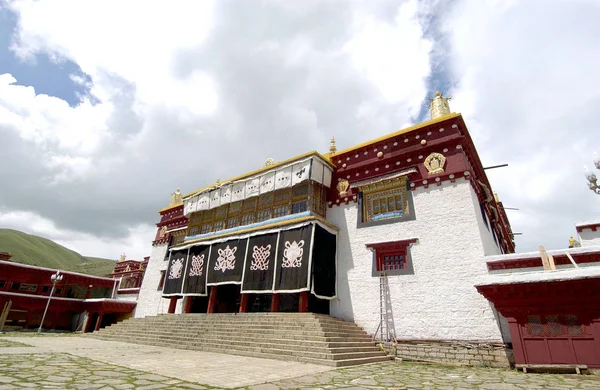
(218, 181)
(122, 258)
(439, 105)
(332, 147)
(270, 162)
(175, 198)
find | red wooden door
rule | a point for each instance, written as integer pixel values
(559, 339)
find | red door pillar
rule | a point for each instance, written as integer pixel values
(187, 307)
(212, 300)
(517, 342)
(172, 305)
(274, 303)
(303, 302)
(98, 322)
(244, 303)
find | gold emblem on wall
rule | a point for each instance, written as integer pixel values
(163, 231)
(435, 163)
(342, 187)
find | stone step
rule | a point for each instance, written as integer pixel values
(277, 344)
(234, 335)
(265, 349)
(252, 330)
(249, 339)
(306, 337)
(324, 362)
(248, 324)
(340, 324)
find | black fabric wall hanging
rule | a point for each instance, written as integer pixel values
(227, 262)
(260, 263)
(324, 263)
(195, 272)
(175, 272)
(293, 256)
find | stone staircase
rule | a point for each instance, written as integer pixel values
(303, 337)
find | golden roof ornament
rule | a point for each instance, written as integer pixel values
(122, 258)
(175, 198)
(332, 147)
(438, 105)
(269, 163)
(434, 163)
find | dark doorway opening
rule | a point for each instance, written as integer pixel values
(317, 305)
(289, 302)
(199, 304)
(228, 298)
(259, 303)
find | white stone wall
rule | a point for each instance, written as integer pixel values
(439, 301)
(588, 237)
(150, 301)
(127, 297)
(490, 247)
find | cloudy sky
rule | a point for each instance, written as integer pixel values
(106, 107)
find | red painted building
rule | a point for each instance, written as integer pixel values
(130, 273)
(80, 302)
(553, 315)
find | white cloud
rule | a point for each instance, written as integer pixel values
(135, 244)
(393, 56)
(190, 92)
(525, 74)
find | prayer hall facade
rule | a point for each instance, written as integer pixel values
(391, 234)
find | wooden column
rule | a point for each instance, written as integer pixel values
(274, 303)
(303, 302)
(244, 303)
(172, 305)
(28, 320)
(187, 307)
(212, 300)
(98, 322)
(517, 342)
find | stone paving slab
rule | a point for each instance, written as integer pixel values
(87, 365)
(213, 369)
(5, 343)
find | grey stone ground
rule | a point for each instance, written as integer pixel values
(83, 363)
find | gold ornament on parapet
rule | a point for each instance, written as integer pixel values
(435, 163)
(163, 231)
(342, 187)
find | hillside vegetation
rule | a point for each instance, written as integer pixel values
(34, 250)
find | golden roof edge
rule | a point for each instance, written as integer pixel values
(397, 133)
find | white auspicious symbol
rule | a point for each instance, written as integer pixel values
(176, 268)
(226, 259)
(292, 254)
(197, 264)
(260, 256)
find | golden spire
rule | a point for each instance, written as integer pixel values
(439, 105)
(332, 147)
(175, 198)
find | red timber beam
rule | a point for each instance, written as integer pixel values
(303, 302)
(172, 305)
(212, 300)
(244, 303)
(274, 303)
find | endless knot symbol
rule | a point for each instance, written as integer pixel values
(176, 268)
(197, 264)
(292, 254)
(260, 256)
(226, 259)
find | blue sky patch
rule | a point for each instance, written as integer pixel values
(45, 75)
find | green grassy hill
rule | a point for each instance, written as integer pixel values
(34, 250)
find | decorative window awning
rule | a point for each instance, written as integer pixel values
(294, 258)
(284, 176)
(380, 179)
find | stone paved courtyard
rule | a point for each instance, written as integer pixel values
(39, 363)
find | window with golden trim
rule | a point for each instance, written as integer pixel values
(385, 200)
